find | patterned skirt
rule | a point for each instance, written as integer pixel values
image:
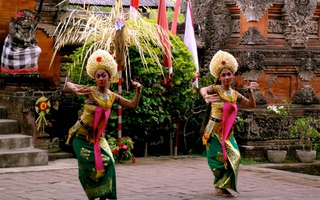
(93, 185)
(225, 174)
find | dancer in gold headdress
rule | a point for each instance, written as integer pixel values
(96, 163)
(221, 148)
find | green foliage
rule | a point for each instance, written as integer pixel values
(160, 102)
(284, 114)
(315, 147)
(306, 129)
(239, 124)
(318, 156)
(170, 14)
(280, 111)
(78, 69)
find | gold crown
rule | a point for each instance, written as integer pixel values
(222, 60)
(102, 59)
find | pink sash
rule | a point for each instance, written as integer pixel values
(100, 116)
(229, 114)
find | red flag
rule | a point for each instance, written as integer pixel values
(134, 4)
(190, 42)
(162, 20)
(175, 17)
(134, 7)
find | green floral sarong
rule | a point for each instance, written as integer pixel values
(93, 186)
(225, 176)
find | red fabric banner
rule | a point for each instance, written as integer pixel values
(175, 17)
(162, 20)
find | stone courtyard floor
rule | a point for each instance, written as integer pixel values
(156, 178)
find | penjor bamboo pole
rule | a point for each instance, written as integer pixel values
(119, 106)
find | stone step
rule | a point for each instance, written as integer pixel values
(3, 112)
(23, 157)
(15, 141)
(59, 155)
(9, 126)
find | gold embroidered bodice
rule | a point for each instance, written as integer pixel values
(88, 113)
(216, 108)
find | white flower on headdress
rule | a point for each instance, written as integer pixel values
(223, 60)
(102, 59)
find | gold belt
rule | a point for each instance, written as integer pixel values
(84, 129)
(215, 120)
(216, 128)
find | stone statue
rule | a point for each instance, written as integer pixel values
(20, 51)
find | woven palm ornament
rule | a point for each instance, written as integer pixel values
(222, 60)
(42, 107)
(102, 59)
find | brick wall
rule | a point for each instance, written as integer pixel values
(52, 73)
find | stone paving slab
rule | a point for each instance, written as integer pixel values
(156, 178)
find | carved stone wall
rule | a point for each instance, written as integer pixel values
(214, 26)
(276, 43)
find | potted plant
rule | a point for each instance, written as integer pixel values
(306, 129)
(121, 149)
(278, 156)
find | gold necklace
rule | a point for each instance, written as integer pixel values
(100, 101)
(104, 96)
(227, 92)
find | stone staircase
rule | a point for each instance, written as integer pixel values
(17, 150)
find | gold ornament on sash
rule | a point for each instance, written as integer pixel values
(42, 107)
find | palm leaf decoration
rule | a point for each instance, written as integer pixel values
(98, 30)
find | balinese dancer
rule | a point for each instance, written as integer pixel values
(221, 148)
(96, 164)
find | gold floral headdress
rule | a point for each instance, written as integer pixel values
(223, 60)
(102, 59)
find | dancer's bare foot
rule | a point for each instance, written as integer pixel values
(223, 192)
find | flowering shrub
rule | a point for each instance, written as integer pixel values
(283, 114)
(279, 110)
(121, 149)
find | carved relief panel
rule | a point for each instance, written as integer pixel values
(253, 10)
(251, 65)
(306, 96)
(308, 66)
(215, 25)
(252, 37)
(297, 15)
